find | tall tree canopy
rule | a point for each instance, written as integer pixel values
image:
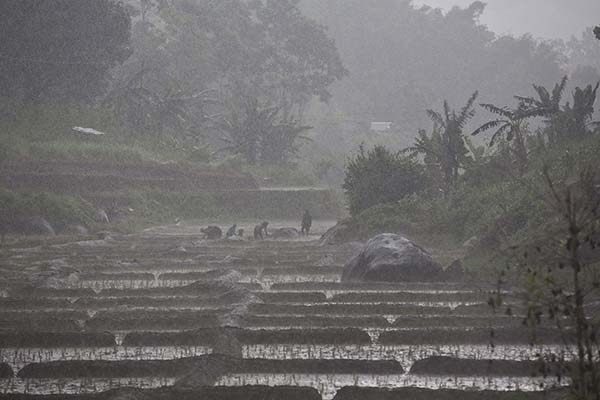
(403, 59)
(60, 49)
(197, 60)
(265, 48)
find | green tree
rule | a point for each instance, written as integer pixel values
(562, 121)
(446, 148)
(578, 116)
(297, 57)
(60, 49)
(512, 126)
(260, 133)
(265, 48)
(560, 274)
(597, 32)
(197, 61)
(378, 176)
(149, 94)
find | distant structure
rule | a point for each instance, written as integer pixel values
(88, 131)
(381, 127)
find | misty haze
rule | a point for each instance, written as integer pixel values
(299, 200)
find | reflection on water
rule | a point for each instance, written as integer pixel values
(18, 358)
(328, 385)
(99, 285)
(78, 386)
(406, 355)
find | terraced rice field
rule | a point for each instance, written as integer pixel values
(146, 310)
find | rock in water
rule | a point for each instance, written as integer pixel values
(285, 233)
(391, 258)
(212, 232)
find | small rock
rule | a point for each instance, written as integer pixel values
(285, 233)
(76, 230)
(104, 235)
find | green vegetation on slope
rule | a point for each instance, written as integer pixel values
(58, 210)
(499, 195)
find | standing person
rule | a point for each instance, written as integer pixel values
(306, 222)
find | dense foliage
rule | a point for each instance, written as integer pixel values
(169, 72)
(379, 176)
(57, 209)
(60, 49)
(494, 194)
(197, 65)
(260, 134)
(446, 152)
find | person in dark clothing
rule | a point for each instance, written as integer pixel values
(306, 222)
(260, 231)
(231, 231)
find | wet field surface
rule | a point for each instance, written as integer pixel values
(149, 297)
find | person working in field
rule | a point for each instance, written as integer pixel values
(231, 231)
(306, 222)
(260, 231)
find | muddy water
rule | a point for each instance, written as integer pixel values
(79, 386)
(178, 249)
(405, 355)
(18, 358)
(266, 282)
(328, 385)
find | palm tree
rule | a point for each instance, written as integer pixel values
(243, 126)
(446, 147)
(510, 125)
(547, 105)
(568, 120)
(579, 115)
(257, 132)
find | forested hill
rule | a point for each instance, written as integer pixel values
(407, 58)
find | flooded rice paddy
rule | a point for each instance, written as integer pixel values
(144, 285)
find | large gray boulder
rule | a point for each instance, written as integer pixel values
(285, 233)
(391, 258)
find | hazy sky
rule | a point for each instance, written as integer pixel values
(542, 18)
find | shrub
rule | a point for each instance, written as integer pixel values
(59, 210)
(378, 176)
